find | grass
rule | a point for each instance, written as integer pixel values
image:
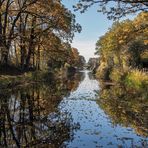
(116, 75)
(9, 81)
(132, 79)
(137, 79)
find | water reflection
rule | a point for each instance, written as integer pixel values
(29, 117)
(73, 112)
(127, 108)
(92, 107)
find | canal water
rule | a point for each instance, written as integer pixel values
(73, 112)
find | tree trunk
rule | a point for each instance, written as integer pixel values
(38, 58)
(0, 34)
(31, 43)
(5, 48)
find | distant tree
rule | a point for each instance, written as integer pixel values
(82, 62)
(93, 64)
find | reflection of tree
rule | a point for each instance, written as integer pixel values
(126, 108)
(30, 117)
(73, 81)
(91, 76)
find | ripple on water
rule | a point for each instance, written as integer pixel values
(96, 129)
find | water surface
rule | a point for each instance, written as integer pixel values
(73, 112)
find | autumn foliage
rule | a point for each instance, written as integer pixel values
(33, 32)
(123, 48)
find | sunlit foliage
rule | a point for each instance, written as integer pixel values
(31, 30)
(122, 48)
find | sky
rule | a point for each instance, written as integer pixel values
(93, 24)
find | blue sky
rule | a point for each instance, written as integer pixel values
(93, 24)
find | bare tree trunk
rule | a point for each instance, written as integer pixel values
(31, 43)
(5, 50)
(23, 23)
(0, 32)
(38, 58)
(16, 55)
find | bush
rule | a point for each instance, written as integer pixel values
(117, 75)
(137, 79)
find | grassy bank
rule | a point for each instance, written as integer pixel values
(136, 79)
(11, 81)
(16, 79)
(132, 79)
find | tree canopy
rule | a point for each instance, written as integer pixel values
(123, 45)
(30, 30)
(114, 8)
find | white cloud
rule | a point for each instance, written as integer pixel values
(85, 48)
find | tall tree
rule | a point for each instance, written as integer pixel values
(26, 25)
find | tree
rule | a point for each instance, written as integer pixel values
(10, 14)
(136, 48)
(114, 8)
(122, 46)
(31, 29)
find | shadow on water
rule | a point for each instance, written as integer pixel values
(69, 112)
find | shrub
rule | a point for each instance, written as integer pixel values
(137, 79)
(117, 75)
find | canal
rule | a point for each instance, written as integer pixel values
(73, 112)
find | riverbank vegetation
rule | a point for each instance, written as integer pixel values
(93, 64)
(36, 35)
(123, 52)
